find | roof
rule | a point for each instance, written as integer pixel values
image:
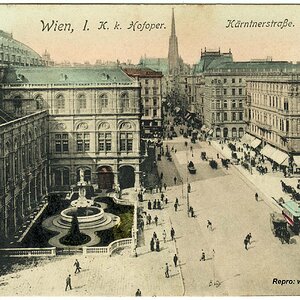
(6, 40)
(293, 207)
(142, 72)
(157, 64)
(59, 75)
(255, 66)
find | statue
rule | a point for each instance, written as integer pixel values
(81, 175)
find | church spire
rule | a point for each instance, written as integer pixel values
(173, 56)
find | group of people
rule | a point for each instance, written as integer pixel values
(157, 204)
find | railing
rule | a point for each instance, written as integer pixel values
(25, 252)
(108, 249)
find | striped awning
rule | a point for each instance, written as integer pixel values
(280, 157)
(255, 143)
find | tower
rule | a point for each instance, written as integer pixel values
(173, 57)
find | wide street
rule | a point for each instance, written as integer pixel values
(226, 198)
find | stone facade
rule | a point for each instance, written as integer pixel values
(23, 169)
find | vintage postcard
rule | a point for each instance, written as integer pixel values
(149, 150)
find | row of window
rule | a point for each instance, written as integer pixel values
(154, 91)
(234, 92)
(233, 80)
(220, 117)
(102, 101)
(147, 112)
(234, 104)
(104, 142)
(270, 101)
(148, 81)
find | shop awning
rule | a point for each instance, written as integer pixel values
(211, 131)
(247, 139)
(255, 143)
(297, 160)
(280, 157)
(267, 151)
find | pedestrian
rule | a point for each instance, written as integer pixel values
(68, 283)
(256, 196)
(175, 150)
(152, 244)
(149, 219)
(218, 156)
(158, 204)
(157, 245)
(166, 200)
(191, 148)
(160, 187)
(149, 204)
(189, 187)
(161, 175)
(77, 266)
(172, 233)
(167, 271)
(162, 196)
(175, 259)
(175, 206)
(246, 243)
(138, 293)
(154, 235)
(177, 201)
(156, 220)
(175, 180)
(202, 256)
(165, 186)
(248, 237)
(192, 212)
(154, 204)
(209, 225)
(164, 234)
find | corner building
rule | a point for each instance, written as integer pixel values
(94, 122)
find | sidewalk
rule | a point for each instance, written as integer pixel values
(267, 185)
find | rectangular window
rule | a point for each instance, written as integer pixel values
(225, 116)
(233, 92)
(146, 112)
(241, 115)
(154, 91)
(240, 92)
(146, 91)
(83, 142)
(146, 81)
(104, 141)
(233, 80)
(126, 142)
(61, 143)
(225, 80)
(146, 99)
(225, 104)
(225, 91)
(240, 80)
(233, 117)
(154, 101)
(233, 104)
(154, 113)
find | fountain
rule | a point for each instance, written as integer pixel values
(89, 215)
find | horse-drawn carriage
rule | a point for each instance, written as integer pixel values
(191, 168)
(279, 227)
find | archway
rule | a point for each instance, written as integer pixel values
(126, 177)
(105, 178)
(225, 132)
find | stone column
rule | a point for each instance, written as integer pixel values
(137, 182)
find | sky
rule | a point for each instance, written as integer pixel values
(197, 26)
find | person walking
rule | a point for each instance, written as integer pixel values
(161, 175)
(157, 245)
(165, 186)
(138, 293)
(175, 206)
(248, 237)
(175, 259)
(172, 233)
(68, 283)
(77, 266)
(175, 180)
(167, 271)
(152, 244)
(209, 225)
(166, 200)
(177, 201)
(189, 188)
(149, 205)
(149, 219)
(256, 197)
(246, 243)
(164, 234)
(154, 235)
(156, 220)
(202, 256)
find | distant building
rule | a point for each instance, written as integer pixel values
(151, 99)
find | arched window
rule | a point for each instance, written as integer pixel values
(81, 101)
(233, 132)
(61, 177)
(218, 132)
(103, 101)
(125, 100)
(39, 102)
(60, 102)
